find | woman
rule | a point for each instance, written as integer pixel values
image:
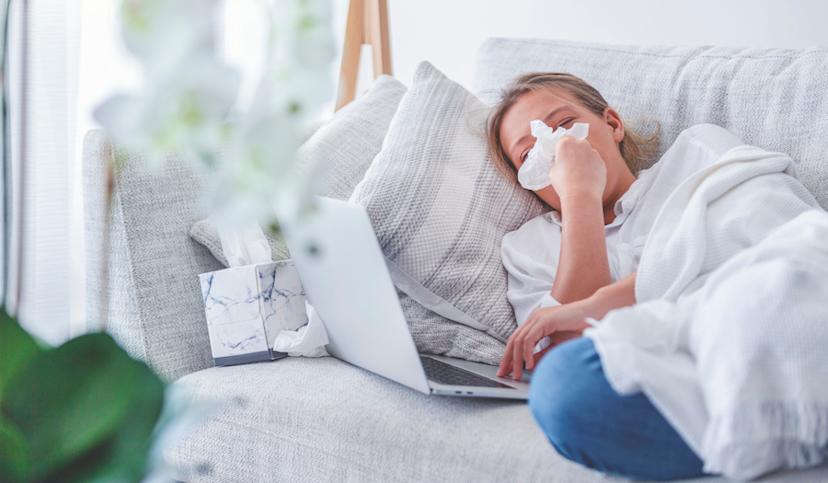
(576, 263)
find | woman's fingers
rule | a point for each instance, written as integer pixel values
(506, 362)
(503, 370)
(528, 346)
(520, 347)
(524, 345)
(517, 358)
(530, 341)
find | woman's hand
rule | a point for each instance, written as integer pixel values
(578, 169)
(560, 322)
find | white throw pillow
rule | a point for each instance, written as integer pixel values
(440, 209)
(340, 150)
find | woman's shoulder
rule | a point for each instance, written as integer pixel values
(536, 229)
(695, 147)
(713, 136)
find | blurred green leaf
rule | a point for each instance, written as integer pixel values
(79, 398)
(123, 457)
(17, 348)
(13, 459)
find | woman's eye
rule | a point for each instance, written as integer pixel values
(567, 121)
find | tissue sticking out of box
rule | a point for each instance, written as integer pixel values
(242, 244)
(245, 244)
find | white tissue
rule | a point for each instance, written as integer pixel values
(242, 245)
(534, 173)
(308, 341)
(247, 245)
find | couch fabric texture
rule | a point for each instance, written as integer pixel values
(323, 420)
(154, 304)
(772, 98)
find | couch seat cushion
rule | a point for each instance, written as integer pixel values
(301, 419)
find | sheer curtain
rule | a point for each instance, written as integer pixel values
(42, 144)
(74, 60)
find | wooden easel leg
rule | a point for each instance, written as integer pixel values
(367, 24)
(376, 34)
(349, 68)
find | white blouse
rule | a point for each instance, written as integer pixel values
(530, 253)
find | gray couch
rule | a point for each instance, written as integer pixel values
(323, 420)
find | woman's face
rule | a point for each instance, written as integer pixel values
(557, 107)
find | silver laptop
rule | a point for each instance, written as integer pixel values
(343, 271)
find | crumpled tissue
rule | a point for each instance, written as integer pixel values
(534, 172)
(308, 341)
(247, 245)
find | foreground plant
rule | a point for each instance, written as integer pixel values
(83, 411)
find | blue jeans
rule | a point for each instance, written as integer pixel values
(589, 423)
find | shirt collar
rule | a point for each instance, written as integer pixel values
(623, 207)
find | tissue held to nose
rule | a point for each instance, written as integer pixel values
(534, 173)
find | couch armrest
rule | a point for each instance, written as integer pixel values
(155, 308)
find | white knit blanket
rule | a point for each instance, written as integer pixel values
(729, 338)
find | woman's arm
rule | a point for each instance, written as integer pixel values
(620, 293)
(561, 323)
(583, 266)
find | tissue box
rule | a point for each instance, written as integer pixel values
(247, 306)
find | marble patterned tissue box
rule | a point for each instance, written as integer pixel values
(247, 306)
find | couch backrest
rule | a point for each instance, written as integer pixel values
(155, 306)
(773, 98)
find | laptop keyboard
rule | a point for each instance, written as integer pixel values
(443, 373)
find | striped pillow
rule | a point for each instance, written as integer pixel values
(440, 208)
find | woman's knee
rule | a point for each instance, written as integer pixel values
(556, 392)
(586, 421)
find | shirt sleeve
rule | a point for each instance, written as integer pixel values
(548, 300)
(529, 275)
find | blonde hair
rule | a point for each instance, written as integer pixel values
(636, 149)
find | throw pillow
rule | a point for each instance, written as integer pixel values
(340, 150)
(440, 209)
(205, 233)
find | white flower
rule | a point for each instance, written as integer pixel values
(298, 80)
(162, 32)
(179, 111)
(257, 165)
(296, 94)
(301, 34)
(186, 106)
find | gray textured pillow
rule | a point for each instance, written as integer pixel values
(340, 150)
(440, 209)
(205, 233)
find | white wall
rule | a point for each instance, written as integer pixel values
(447, 32)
